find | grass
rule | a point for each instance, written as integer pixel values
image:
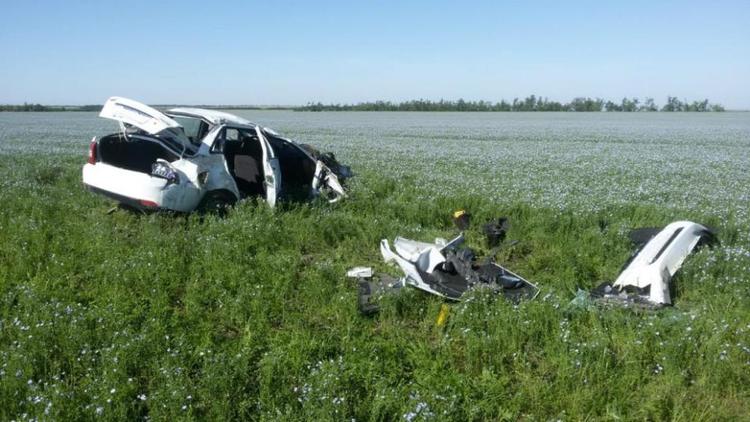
(128, 316)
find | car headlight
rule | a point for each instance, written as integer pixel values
(165, 171)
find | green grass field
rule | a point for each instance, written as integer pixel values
(162, 317)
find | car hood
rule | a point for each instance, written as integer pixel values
(143, 117)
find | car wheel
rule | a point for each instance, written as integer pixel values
(216, 203)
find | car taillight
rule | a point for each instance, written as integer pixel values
(163, 170)
(147, 203)
(92, 152)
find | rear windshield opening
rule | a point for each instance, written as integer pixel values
(195, 129)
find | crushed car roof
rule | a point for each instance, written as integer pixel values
(213, 116)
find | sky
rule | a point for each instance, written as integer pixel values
(295, 52)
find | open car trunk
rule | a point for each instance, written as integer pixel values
(136, 153)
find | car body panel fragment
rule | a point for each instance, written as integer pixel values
(357, 272)
(445, 270)
(325, 179)
(646, 276)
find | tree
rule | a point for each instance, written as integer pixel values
(610, 106)
(673, 104)
(530, 103)
(648, 105)
(629, 105)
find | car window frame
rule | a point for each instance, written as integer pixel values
(221, 138)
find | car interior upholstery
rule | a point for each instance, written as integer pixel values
(244, 158)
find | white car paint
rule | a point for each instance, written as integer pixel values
(660, 258)
(414, 257)
(213, 116)
(412, 254)
(360, 272)
(139, 115)
(271, 169)
(200, 171)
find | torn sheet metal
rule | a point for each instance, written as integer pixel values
(646, 276)
(444, 269)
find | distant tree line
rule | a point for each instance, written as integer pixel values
(530, 103)
(39, 107)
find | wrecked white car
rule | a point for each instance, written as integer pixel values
(188, 159)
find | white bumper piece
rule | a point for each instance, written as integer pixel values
(655, 264)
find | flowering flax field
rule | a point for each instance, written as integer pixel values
(162, 317)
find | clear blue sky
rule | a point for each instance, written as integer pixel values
(281, 52)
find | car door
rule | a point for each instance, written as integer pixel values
(212, 166)
(271, 170)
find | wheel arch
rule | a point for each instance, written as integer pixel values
(223, 193)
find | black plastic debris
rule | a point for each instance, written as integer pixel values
(365, 302)
(372, 289)
(449, 270)
(629, 296)
(495, 231)
(462, 271)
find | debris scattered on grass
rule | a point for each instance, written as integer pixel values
(462, 219)
(443, 268)
(372, 289)
(448, 270)
(357, 272)
(495, 231)
(645, 278)
(443, 315)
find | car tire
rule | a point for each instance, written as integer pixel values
(217, 203)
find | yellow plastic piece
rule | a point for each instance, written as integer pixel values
(443, 315)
